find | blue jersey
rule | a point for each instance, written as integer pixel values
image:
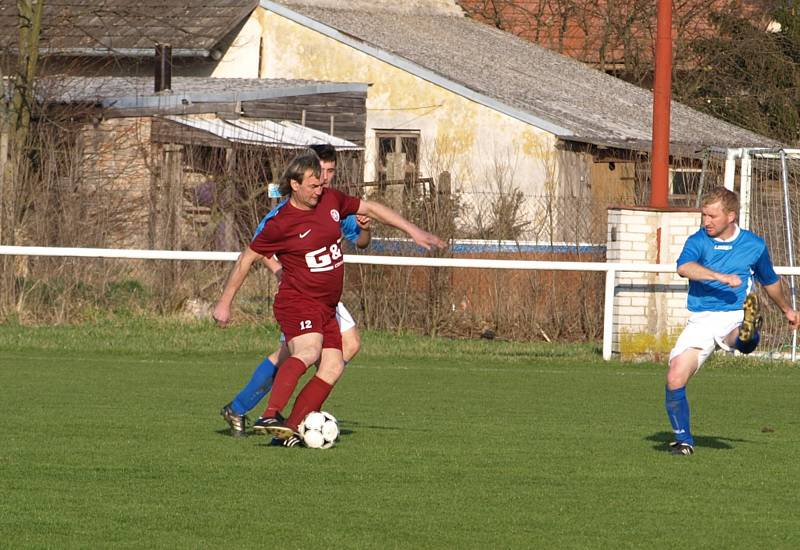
(350, 228)
(744, 255)
(349, 225)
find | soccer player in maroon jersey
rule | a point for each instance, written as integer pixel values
(306, 237)
(356, 229)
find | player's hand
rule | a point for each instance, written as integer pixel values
(428, 240)
(793, 318)
(222, 314)
(364, 222)
(731, 280)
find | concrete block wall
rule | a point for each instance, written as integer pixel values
(649, 308)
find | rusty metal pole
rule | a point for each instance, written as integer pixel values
(662, 95)
(163, 68)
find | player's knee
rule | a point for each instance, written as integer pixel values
(275, 358)
(351, 345)
(677, 375)
(330, 372)
(350, 349)
(674, 382)
(309, 356)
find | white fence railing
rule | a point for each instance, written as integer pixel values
(610, 269)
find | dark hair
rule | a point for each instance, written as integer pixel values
(296, 169)
(727, 199)
(325, 151)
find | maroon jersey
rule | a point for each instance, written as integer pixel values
(308, 245)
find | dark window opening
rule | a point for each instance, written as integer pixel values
(398, 156)
(684, 186)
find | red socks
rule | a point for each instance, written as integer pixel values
(285, 382)
(311, 398)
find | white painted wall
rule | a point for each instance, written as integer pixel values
(473, 141)
(649, 308)
(240, 60)
(481, 147)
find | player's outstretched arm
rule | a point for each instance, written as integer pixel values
(386, 215)
(222, 310)
(696, 272)
(775, 292)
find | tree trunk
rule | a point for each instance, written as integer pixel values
(7, 204)
(15, 120)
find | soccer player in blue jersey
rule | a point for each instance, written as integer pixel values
(355, 229)
(721, 261)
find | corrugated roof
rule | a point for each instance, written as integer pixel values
(283, 134)
(125, 27)
(137, 92)
(549, 90)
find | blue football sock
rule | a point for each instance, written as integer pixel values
(747, 347)
(678, 413)
(255, 390)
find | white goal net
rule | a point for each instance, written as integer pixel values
(768, 183)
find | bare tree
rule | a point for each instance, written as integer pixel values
(726, 62)
(15, 130)
(747, 76)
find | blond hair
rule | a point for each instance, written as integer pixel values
(727, 198)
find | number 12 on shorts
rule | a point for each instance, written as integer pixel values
(305, 325)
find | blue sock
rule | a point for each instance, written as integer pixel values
(678, 413)
(255, 390)
(747, 347)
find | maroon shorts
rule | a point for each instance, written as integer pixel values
(298, 315)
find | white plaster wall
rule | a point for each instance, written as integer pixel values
(472, 141)
(241, 59)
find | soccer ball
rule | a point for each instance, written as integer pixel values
(319, 430)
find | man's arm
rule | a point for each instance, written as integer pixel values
(365, 235)
(775, 292)
(386, 215)
(696, 272)
(274, 266)
(222, 311)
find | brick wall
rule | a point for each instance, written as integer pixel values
(595, 31)
(649, 308)
(116, 182)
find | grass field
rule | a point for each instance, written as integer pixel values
(111, 438)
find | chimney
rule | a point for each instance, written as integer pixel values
(163, 70)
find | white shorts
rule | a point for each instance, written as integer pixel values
(705, 331)
(343, 317)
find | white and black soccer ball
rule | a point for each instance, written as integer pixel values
(319, 430)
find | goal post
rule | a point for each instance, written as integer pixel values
(769, 196)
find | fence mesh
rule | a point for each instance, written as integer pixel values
(140, 182)
(775, 179)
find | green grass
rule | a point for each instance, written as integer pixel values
(111, 438)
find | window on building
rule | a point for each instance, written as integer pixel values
(684, 184)
(398, 155)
